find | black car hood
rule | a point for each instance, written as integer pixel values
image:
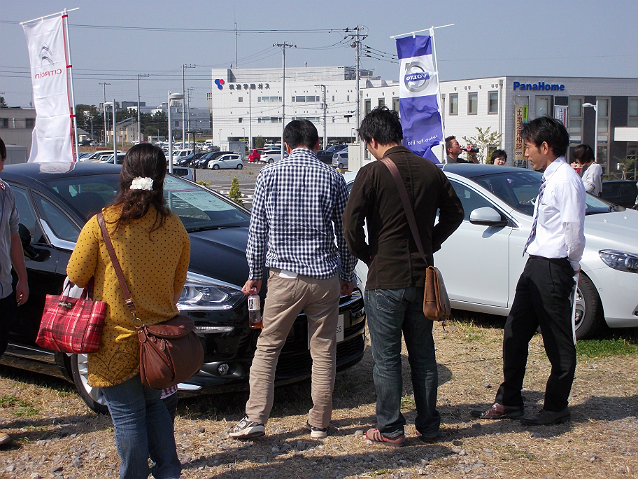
(220, 254)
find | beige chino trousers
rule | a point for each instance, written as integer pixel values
(285, 299)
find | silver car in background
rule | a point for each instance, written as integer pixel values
(230, 160)
(482, 261)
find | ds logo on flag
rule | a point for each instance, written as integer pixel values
(416, 78)
(220, 83)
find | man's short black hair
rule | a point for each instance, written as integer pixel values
(383, 125)
(3, 150)
(300, 133)
(448, 142)
(583, 153)
(497, 154)
(549, 130)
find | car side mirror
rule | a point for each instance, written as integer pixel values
(29, 251)
(487, 216)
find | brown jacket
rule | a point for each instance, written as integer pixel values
(391, 254)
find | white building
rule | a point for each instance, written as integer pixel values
(246, 103)
(198, 121)
(503, 103)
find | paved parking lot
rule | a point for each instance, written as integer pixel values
(220, 180)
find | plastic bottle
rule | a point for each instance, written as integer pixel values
(254, 312)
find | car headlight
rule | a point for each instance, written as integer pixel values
(620, 260)
(203, 293)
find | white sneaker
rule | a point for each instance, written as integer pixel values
(246, 429)
(317, 432)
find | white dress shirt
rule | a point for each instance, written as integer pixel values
(593, 179)
(561, 215)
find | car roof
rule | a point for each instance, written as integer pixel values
(472, 170)
(30, 173)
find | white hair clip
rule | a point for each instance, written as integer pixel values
(142, 184)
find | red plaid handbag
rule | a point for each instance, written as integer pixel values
(71, 324)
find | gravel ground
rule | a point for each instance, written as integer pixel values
(58, 437)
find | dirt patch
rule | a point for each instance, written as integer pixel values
(56, 436)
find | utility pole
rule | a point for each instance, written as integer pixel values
(283, 47)
(357, 37)
(188, 117)
(184, 67)
(139, 132)
(325, 125)
(104, 108)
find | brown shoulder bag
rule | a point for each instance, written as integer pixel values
(436, 303)
(170, 352)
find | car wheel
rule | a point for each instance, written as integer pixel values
(589, 309)
(93, 397)
(341, 166)
(240, 166)
(270, 160)
(215, 167)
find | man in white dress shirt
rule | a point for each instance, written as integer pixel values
(555, 246)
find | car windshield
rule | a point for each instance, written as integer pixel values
(198, 208)
(519, 189)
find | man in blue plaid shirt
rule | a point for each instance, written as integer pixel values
(296, 218)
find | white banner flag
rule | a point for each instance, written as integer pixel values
(47, 55)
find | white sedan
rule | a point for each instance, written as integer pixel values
(482, 261)
(226, 161)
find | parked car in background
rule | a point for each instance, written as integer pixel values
(183, 172)
(120, 159)
(187, 160)
(203, 161)
(482, 260)
(56, 199)
(340, 159)
(255, 155)
(620, 192)
(230, 160)
(271, 156)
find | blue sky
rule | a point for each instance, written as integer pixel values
(490, 37)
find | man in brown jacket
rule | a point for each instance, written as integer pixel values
(396, 271)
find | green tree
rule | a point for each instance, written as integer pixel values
(234, 193)
(3, 104)
(486, 141)
(259, 141)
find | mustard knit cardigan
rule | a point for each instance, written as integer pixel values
(154, 266)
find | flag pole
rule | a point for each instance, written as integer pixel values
(50, 15)
(69, 67)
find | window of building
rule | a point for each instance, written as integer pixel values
(381, 101)
(493, 103)
(269, 99)
(472, 103)
(632, 113)
(347, 97)
(305, 99)
(575, 128)
(542, 105)
(454, 103)
(240, 120)
(333, 98)
(29, 122)
(395, 104)
(240, 99)
(367, 105)
(603, 116)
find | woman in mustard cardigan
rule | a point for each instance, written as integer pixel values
(153, 249)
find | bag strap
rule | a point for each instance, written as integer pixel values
(409, 212)
(116, 265)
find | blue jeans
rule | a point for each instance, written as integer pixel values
(143, 429)
(390, 313)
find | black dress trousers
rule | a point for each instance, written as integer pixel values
(542, 299)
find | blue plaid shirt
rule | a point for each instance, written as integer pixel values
(296, 219)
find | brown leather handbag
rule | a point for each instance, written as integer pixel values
(170, 352)
(436, 303)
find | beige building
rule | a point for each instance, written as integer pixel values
(16, 126)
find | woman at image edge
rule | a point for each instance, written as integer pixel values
(153, 249)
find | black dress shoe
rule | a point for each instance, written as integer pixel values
(546, 418)
(498, 411)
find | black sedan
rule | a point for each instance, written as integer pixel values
(620, 192)
(55, 200)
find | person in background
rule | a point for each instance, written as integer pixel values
(454, 150)
(590, 172)
(499, 157)
(10, 255)
(396, 270)
(153, 249)
(296, 222)
(555, 245)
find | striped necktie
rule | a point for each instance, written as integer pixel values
(532, 233)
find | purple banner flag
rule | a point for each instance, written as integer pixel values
(418, 91)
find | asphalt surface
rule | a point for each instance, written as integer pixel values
(220, 180)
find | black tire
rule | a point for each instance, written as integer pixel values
(341, 166)
(270, 160)
(215, 167)
(240, 166)
(91, 396)
(589, 309)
